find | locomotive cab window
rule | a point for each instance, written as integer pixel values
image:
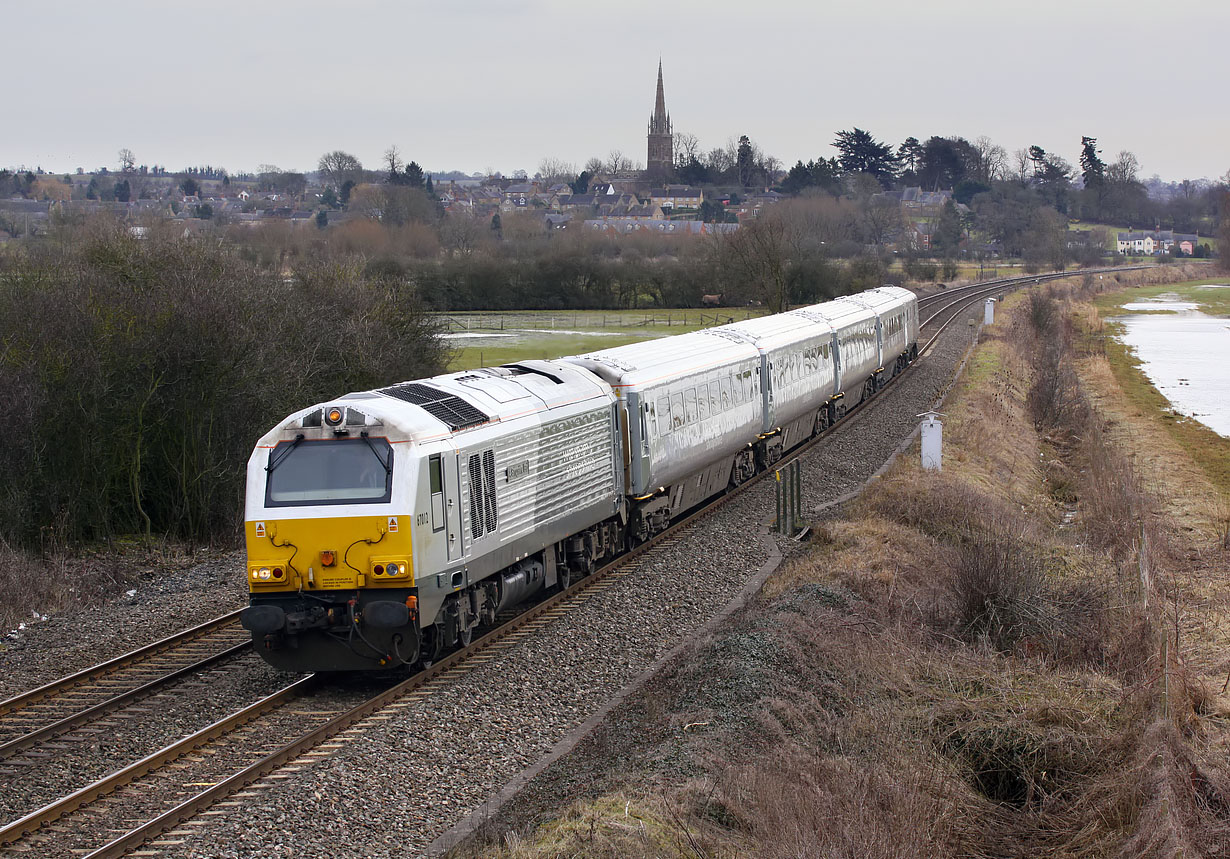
(333, 471)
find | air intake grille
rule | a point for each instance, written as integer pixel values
(449, 408)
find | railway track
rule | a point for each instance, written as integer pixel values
(78, 699)
(170, 774)
(939, 303)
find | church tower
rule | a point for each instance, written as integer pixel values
(660, 160)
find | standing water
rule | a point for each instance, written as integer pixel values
(1185, 354)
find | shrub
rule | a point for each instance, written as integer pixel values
(140, 372)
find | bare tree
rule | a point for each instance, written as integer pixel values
(758, 256)
(595, 166)
(1124, 170)
(719, 160)
(127, 160)
(461, 234)
(881, 218)
(338, 167)
(687, 147)
(393, 160)
(1023, 167)
(992, 159)
(552, 170)
(618, 162)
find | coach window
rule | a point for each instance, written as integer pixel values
(702, 402)
(715, 397)
(677, 413)
(664, 415)
(689, 402)
(436, 471)
(726, 399)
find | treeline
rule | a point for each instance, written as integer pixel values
(138, 373)
(799, 251)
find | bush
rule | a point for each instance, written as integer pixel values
(140, 373)
(999, 590)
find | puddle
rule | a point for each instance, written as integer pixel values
(1156, 305)
(472, 335)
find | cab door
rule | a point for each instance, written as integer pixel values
(446, 503)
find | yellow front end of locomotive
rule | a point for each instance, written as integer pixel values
(342, 553)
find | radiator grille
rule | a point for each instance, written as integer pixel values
(476, 490)
(448, 408)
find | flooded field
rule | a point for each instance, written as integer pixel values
(491, 339)
(1184, 352)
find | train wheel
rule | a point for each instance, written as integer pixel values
(563, 577)
(465, 636)
(432, 646)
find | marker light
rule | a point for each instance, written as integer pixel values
(333, 416)
(378, 569)
(328, 558)
(278, 572)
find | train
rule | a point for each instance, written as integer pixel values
(386, 526)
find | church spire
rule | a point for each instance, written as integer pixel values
(660, 118)
(661, 144)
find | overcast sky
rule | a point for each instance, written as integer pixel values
(500, 84)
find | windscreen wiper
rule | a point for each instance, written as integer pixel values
(277, 460)
(388, 469)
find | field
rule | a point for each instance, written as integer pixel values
(492, 339)
(1213, 301)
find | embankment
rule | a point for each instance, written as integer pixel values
(1022, 655)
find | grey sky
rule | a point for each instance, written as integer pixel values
(477, 84)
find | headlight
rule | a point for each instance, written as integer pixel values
(264, 574)
(385, 569)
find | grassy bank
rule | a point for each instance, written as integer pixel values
(1015, 657)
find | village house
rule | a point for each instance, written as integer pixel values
(1155, 242)
(662, 226)
(916, 198)
(677, 197)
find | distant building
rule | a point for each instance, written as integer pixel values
(624, 226)
(1155, 242)
(917, 198)
(677, 197)
(660, 158)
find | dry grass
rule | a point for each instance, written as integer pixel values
(35, 586)
(957, 667)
